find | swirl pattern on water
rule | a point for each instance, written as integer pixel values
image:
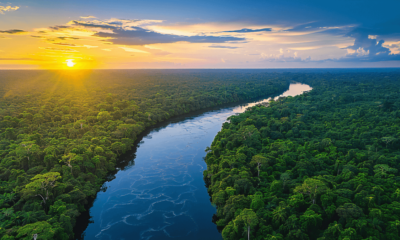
(162, 195)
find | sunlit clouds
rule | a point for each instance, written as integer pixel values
(152, 43)
(4, 9)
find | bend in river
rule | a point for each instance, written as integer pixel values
(161, 193)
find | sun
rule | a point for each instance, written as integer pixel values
(70, 62)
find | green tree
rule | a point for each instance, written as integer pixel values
(249, 218)
(258, 160)
(312, 187)
(310, 219)
(103, 116)
(388, 140)
(41, 185)
(43, 230)
(349, 210)
(280, 213)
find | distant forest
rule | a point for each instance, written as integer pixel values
(323, 165)
(61, 132)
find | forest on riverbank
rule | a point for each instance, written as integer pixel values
(323, 165)
(61, 132)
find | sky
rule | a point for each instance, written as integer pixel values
(131, 34)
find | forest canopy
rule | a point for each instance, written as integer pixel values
(61, 133)
(323, 165)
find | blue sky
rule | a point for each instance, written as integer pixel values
(200, 34)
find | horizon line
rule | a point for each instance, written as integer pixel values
(58, 69)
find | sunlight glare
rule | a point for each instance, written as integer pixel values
(70, 62)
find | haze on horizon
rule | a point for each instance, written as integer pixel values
(126, 34)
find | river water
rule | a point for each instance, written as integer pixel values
(161, 194)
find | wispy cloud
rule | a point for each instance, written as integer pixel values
(226, 47)
(14, 31)
(88, 17)
(59, 49)
(4, 9)
(73, 45)
(141, 36)
(205, 44)
(248, 30)
(128, 49)
(282, 58)
(128, 32)
(19, 59)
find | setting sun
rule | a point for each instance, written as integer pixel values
(70, 63)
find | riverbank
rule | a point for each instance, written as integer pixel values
(69, 127)
(180, 126)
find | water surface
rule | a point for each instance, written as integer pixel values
(161, 193)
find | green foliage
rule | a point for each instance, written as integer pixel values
(324, 165)
(43, 230)
(61, 133)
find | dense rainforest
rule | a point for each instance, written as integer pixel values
(61, 133)
(323, 165)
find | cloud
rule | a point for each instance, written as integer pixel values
(89, 46)
(326, 42)
(282, 58)
(8, 9)
(59, 28)
(141, 36)
(311, 27)
(371, 45)
(113, 23)
(134, 35)
(88, 17)
(227, 47)
(367, 49)
(36, 36)
(367, 58)
(247, 30)
(19, 59)
(63, 38)
(128, 49)
(73, 45)
(93, 24)
(14, 31)
(59, 49)
(388, 30)
(65, 44)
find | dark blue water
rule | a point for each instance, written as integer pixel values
(161, 194)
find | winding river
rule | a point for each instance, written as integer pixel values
(159, 192)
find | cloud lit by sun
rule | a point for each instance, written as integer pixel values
(70, 62)
(91, 40)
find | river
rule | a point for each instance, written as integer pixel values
(159, 192)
